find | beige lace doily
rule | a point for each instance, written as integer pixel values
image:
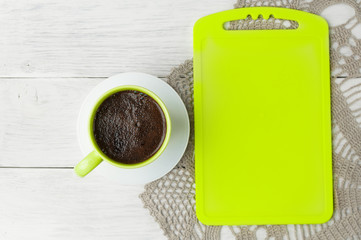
(170, 199)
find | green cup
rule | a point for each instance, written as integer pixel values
(94, 158)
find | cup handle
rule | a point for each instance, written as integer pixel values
(88, 163)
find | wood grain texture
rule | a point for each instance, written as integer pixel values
(98, 38)
(55, 204)
(44, 41)
(38, 121)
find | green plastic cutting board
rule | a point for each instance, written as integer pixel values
(262, 120)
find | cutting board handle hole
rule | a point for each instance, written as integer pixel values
(259, 22)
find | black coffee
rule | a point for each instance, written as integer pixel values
(129, 127)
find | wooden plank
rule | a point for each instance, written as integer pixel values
(55, 204)
(98, 38)
(38, 121)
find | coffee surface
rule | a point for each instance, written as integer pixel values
(129, 127)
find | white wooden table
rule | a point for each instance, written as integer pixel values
(52, 53)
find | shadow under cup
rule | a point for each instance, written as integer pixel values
(94, 158)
